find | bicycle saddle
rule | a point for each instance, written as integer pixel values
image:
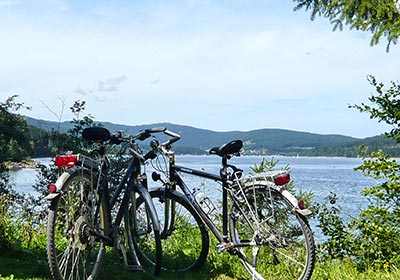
(230, 148)
(96, 133)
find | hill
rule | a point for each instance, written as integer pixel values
(260, 141)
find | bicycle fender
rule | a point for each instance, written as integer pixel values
(148, 201)
(293, 200)
(59, 183)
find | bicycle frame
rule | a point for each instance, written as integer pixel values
(176, 179)
(130, 183)
(223, 178)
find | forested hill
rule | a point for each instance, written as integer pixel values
(260, 141)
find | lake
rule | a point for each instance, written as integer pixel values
(321, 175)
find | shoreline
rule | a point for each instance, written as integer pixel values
(13, 166)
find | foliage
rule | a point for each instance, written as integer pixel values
(340, 239)
(72, 141)
(265, 165)
(379, 224)
(385, 106)
(5, 238)
(380, 17)
(13, 143)
(371, 239)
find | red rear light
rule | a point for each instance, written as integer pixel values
(301, 204)
(66, 161)
(282, 179)
(52, 188)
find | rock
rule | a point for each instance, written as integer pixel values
(23, 164)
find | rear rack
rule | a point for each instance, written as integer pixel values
(76, 160)
(278, 177)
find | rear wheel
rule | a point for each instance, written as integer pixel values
(278, 242)
(73, 251)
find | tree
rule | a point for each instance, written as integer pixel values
(371, 238)
(380, 17)
(72, 140)
(378, 225)
(13, 127)
(385, 106)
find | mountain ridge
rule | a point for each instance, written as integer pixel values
(258, 141)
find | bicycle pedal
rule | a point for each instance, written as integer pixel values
(222, 247)
(134, 267)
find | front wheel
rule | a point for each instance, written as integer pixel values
(184, 238)
(143, 234)
(277, 242)
(73, 251)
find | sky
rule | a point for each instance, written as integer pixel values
(221, 65)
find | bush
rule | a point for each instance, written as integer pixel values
(372, 238)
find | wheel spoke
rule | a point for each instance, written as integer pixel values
(73, 253)
(281, 244)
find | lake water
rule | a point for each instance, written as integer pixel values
(321, 175)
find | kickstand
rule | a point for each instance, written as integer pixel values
(128, 266)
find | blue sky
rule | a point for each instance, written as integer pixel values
(219, 65)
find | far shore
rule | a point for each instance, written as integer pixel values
(12, 166)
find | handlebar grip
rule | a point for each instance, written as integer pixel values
(114, 139)
(156, 129)
(150, 155)
(175, 137)
(144, 134)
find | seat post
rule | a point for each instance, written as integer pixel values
(224, 176)
(223, 171)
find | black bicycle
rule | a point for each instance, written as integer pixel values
(85, 216)
(260, 221)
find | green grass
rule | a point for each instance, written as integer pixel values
(26, 265)
(32, 264)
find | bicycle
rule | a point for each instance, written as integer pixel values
(84, 218)
(261, 222)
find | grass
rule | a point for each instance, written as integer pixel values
(15, 265)
(20, 263)
(25, 265)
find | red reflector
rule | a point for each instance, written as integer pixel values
(52, 188)
(282, 179)
(301, 204)
(66, 161)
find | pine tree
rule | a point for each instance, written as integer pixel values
(380, 17)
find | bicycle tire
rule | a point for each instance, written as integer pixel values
(142, 237)
(280, 240)
(72, 251)
(186, 246)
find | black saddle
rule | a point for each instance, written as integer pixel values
(96, 134)
(227, 149)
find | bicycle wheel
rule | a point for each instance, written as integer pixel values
(277, 241)
(72, 251)
(184, 238)
(142, 237)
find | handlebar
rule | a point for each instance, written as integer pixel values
(102, 135)
(175, 137)
(142, 135)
